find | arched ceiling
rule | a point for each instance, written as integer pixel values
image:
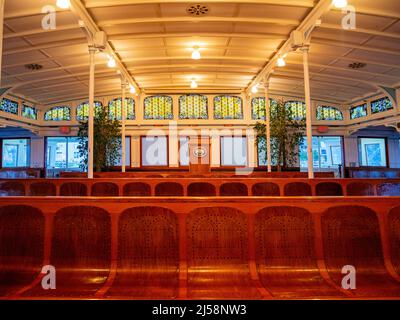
(154, 41)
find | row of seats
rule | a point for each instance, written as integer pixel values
(14, 188)
(214, 251)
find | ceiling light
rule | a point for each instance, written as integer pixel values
(254, 89)
(196, 55)
(63, 4)
(194, 84)
(281, 62)
(339, 3)
(111, 62)
(132, 89)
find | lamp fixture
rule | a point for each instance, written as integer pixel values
(281, 62)
(111, 62)
(132, 89)
(194, 84)
(340, 4)
(63, 4)
(254, 89)
(196, 55)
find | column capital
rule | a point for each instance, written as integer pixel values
(305, 48)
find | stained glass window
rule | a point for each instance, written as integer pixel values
(329, 113)
(258, 108)
(82, 111)
(193, 106)
(228, 107)
(29, 112)
(61, 113)
(9, 106)
(158, 108)
(115, 109)
(381, 105)
(358, 111)
(297, 108)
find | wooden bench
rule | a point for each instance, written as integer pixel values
(230, 187)
(191, 248)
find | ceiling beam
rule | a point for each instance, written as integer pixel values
(50, 45)
(334, 43)
(338, 27)
(149, 35)
(115, 3)
(355, 71)
(31, 32)
(191, 19)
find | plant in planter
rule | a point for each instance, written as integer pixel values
(107, 141)
(287, 129)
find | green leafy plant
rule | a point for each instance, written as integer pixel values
(107, 141)
(287, 133)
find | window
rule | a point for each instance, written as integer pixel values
(82, 111)
(372, 152)
(228, 107)
(327, 152)
(62, 113)
(297, 109)
(127, 153)
(262, 152)
(16, 153)
(62, 153)
(329, 113)
(184, 151)
(381, 105)
(155, 151)
(158, 108)
(29, 112)
(193, 106)
(258, 108)
(233, 151)
(9, 106)
(115, 109)
(358, 111)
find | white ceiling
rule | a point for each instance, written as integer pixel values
(154, 40)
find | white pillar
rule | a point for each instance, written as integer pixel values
(1, 34)
(267, 127)
(92, 52)
(123, 122)
(307, 95)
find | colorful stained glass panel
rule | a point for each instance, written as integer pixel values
(158, 108)
(381, 105)
(29, 112)
(329, 113)
(228, 107)
(258, 108)
(62, 113)
(9, 106)
(297, 109)
(82, 111)
(358, 111)
(193, 106)
(115, 109)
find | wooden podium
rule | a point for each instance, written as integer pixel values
(199, 155)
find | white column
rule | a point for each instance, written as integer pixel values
(123, 123)
(92, 52)
(268, 127)
(307, 95)
(1, 34)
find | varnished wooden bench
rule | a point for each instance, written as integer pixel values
(191, 248)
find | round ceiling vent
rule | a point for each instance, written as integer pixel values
(33, 66)
(198, 10)
(357, 65)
